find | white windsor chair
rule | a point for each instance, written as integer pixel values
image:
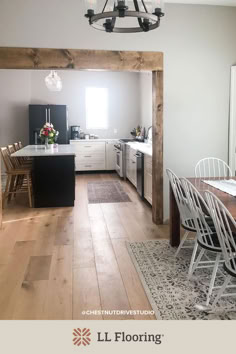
(207, 238)
(224, 224)
(186, 218)
(212, 167)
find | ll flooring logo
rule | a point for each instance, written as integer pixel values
(81, 336)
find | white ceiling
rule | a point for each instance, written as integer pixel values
(206, 2)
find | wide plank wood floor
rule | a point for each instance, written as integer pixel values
(57, 263)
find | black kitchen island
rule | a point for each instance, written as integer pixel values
(53, 174)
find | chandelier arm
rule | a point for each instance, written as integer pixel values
(105, 6)
(113, 22)
(145, 8)
(140, 22)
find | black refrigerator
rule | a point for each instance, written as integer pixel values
(55, 114)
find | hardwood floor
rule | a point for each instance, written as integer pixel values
(56, 263)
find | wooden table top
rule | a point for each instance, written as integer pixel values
(228, 200)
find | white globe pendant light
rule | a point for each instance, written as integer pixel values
(53, 81)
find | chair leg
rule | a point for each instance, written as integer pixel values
(221, 291)
(6, 193)
(213, 278)
(182, 242)
(29, 190)
(198, 260)
(192, 259)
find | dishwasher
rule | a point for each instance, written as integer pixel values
(140, 173)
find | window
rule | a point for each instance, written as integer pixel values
(96, 108)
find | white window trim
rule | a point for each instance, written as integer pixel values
(232, 121)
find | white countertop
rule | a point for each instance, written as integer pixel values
(40, 150)
(142, 147)
(91, 140)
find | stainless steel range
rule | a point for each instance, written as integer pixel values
(120, 157)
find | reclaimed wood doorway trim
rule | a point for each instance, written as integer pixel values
(80, 59)
(0, 197)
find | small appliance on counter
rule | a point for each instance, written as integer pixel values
(82, 135)
(92, 136)
(75, 132)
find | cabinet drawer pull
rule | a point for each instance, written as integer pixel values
(88, 166)
(87, 156)
(87, 146)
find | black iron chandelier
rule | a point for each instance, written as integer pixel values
(137, 15)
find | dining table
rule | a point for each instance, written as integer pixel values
(175, 223)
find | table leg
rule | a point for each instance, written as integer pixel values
(174, 221)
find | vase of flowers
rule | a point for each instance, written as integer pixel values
(48, 135)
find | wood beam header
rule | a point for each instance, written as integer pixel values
(79, 59)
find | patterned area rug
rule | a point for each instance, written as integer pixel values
(106, 192)
(171, 295)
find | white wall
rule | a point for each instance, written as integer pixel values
(14, 100)
(123, 96)
(199, 47)
(145, 106)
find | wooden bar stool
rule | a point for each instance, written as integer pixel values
(18, 177)
(19, 163)
(25, 160)
(16, 146)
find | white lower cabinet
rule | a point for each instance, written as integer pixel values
(92, 155)
(148, 178)
(127, 161)
(131, 164)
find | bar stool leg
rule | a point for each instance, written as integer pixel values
(6, 193)
(29, 190)
(11, 188)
